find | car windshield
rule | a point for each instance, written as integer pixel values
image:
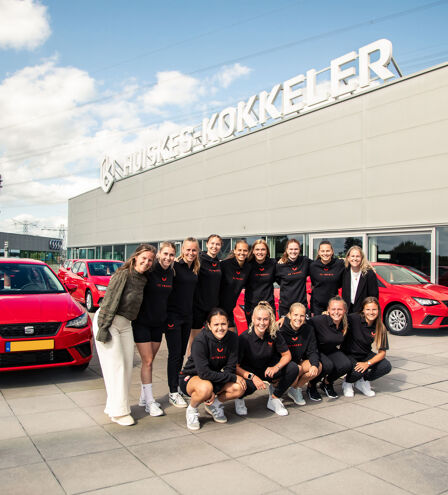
(103, 268)
(27, 278)
(398, 275)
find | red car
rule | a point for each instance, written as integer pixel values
(91, 278)
(41, 326)
(64, 268)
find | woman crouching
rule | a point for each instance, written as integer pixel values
(264, 356)
(209, 375)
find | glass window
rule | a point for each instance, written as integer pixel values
(119, 252)
(412, 250)
(25, 278)
(277, 244)
(83, 253)
(130, 249)
(106, 253)
(226, 248)
(103, 268)
(442, 256)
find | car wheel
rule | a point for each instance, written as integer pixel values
(398, 320)
(89, 302)
(81, 367)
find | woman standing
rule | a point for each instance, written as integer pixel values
(150, 324)
(364, 330)
(264, 356)
(113, 331)
(209, 375)
(235, 273)
(180, 315)
(301, 341)
(291, 273)
(206, 296)
(358, 280)
(330, 330)
(326, 277)
(260, 284)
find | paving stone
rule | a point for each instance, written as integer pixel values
(222, 478)
(35, 479)
(76, 386)
(352, 447)
(10, 428)
(434, 418)
(30, 391)
(292, 464)
(74, 442)
(47, 422)
(100, 470)
(401, 432)
(420, 377)
(84, 398)
(154, 486)
(18, 452)
(350, 415)
(437, 448)
(166, 456)
(5, 410)
(443, 386)
(392, 405)
(42, 403)
(345, 482)
(411, 471)
(425, 395)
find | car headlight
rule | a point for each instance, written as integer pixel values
(101, 287)
(79, 322)
(426, 302)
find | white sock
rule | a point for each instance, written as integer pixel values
(147, 390)
(192, 409)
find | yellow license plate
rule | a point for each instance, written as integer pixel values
(29, 345)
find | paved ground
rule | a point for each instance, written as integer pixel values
(55, 438)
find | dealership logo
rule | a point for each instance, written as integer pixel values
(349, 74)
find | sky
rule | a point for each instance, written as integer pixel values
(82, 79)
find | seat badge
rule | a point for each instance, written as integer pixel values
(29, 330)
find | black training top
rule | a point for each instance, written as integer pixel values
(153, 311)
(255, 354)
(180, 301)
(206, 296)
(260, 285)
(212, 359)
(291, 276)
(328, 337)
(367, 286)
(233, 280)
(360, 337)
(326, 280)
(302, 342)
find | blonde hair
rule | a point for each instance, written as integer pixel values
(284, 257)
(344, 318)
(165, 244)
(365, 265)
(380, 329)
(196, 262)
(129, 264)
(294, 306)
(259, 241)
(265, 306)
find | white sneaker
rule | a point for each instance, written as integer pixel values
(240, 407)
(347, 389)
(154, 409)
(176, 400)
(142, 400)
(192, 417)
(127, 420)
(296, 395)
(364, 387)
(277, 406)
(217, 412)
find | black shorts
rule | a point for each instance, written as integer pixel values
(184, 379)
(199, 318)
(143, 333)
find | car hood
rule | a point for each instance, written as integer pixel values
(429, 291)
(100, 280)
(36, 308)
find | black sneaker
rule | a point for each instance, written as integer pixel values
(313, 393)
(329, 390)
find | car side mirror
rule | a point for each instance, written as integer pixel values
(71, 288)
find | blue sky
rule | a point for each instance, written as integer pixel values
(79, 79)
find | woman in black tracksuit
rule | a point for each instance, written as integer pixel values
(291, 273)
(364, 330)
(150, 323)
(358, 280)
(210, 373)
(206, 295)
(180, 315)
(301, 341)
(235, 273)
(330, 330)
(260, 285)
(326, 277)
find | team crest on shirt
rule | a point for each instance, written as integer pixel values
(214, 264)
(373, 334)
(294, 268)
(270, 344)
(170, 325)
(220, 350)
(295, 338)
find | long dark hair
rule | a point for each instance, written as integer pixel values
(380, 329)
(216, 312)
(129, 264)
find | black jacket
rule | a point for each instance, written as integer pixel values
(233, 281)
(302, 343)
(291, 276)
(180, 301)
(326, 280)
(367, 286)
(328, 337)
(260, 285)
(206, 296)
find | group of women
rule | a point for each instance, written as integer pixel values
(191, 300)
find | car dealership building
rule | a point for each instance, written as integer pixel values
(361, 159)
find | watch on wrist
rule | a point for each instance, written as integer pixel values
(369, 363)
(250, 376)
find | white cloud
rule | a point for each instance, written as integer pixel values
(42, 225)
(230, 73)
(23, 24)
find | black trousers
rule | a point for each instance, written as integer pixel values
(374, 372)
(286, 377)
(316, 308)
(334, 365)
(177, 334)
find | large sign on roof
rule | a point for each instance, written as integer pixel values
(351, 73)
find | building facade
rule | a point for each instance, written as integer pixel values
(47, 249)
